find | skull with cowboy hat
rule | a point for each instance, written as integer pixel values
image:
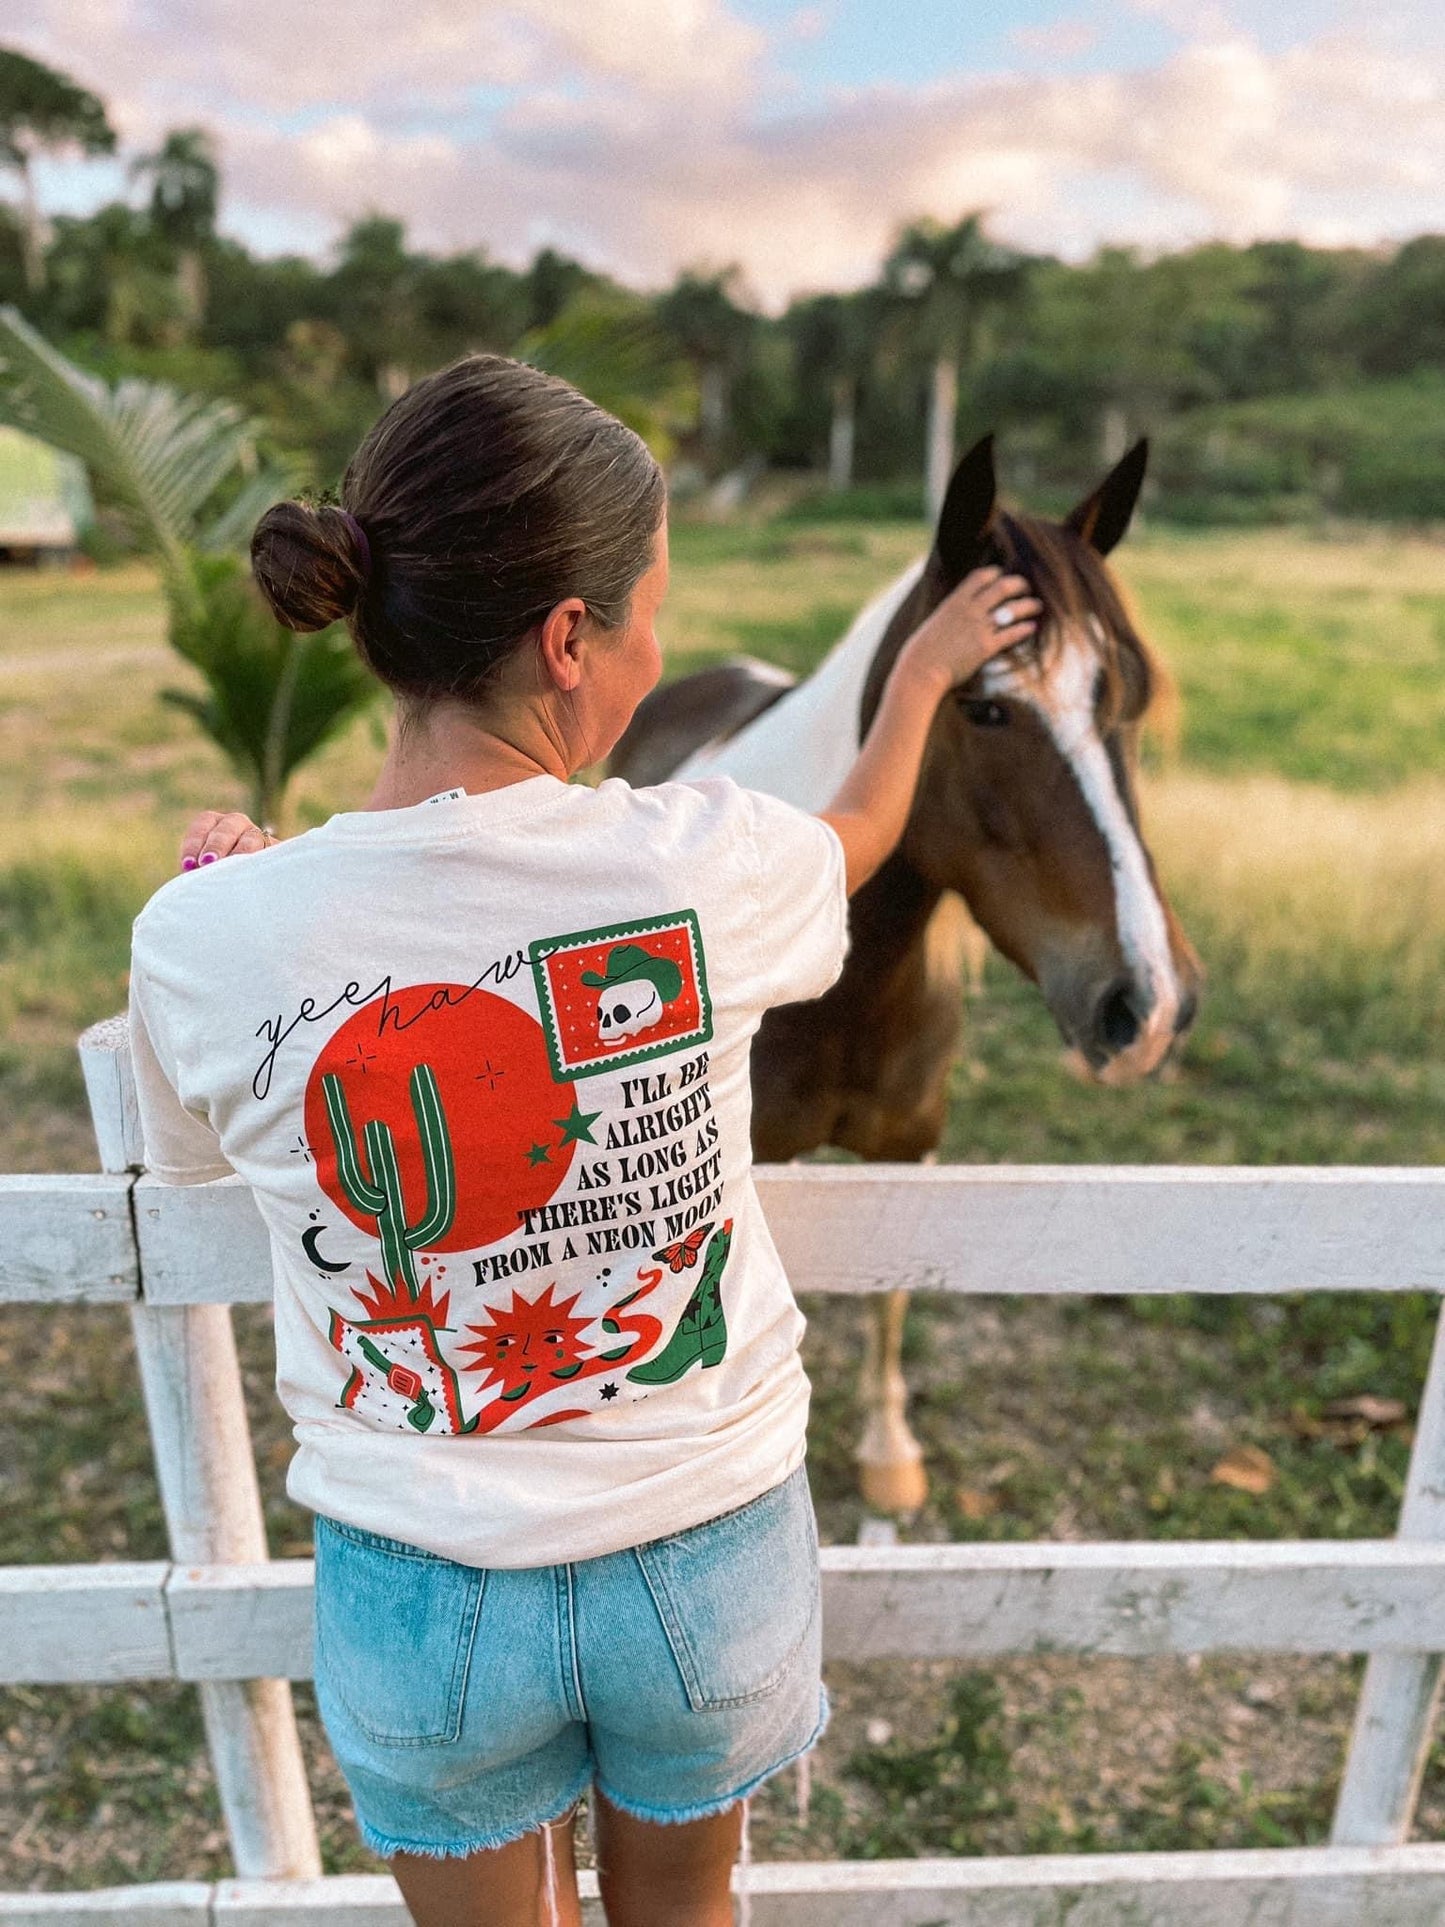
(633, 990)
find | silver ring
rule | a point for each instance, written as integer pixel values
(1003, 616)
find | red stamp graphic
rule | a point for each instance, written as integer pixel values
(618, 996)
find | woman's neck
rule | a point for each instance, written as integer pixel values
(450, 748)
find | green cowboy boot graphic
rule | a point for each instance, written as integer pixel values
(701, 1334)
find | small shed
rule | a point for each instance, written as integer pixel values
(45, 500)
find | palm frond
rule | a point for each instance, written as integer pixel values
(271, 699)
(610, 347)
(231, 528)
(161, 454)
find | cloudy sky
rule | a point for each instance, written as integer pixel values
(644, 135)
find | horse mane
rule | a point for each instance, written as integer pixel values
(1069, 577)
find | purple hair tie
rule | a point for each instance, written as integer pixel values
(359, 537)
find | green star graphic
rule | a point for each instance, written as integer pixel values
(540, 1154)
(576, 1128)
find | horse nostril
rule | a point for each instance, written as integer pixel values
(1116, 1021)
(1188, 1011)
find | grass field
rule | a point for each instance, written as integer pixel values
(1297, 812)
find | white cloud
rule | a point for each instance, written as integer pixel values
(1058, 39)
(1196, 19)
(272, 54)
(648, 134)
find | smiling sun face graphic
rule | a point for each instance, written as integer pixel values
(530, 1345)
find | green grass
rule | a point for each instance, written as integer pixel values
(1298, 820)
(1371, 449)
(1318, 658)
(54, 610)
(1346, 689)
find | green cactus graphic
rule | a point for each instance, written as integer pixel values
(380, 1196)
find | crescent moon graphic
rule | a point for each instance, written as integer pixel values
(308, 1245)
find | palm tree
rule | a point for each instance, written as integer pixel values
(945, 280)
(550, 283)
(140, 299)
(42, 111)
(607, 343)
(714, 331)
(375, 290)
(185, 194)
(184, 473)
(834, 337)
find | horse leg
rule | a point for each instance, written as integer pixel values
(890, 1459)
(905, 1123)
(866, 1068)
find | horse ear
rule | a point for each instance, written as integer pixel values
(1103, 517)
(966, 512)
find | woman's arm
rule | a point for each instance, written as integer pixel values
(870, 810)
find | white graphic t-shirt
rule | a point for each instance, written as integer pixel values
(484, 1063)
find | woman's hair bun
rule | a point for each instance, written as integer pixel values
(312, 564)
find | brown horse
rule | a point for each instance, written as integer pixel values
(1025, 810)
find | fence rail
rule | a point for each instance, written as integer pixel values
(223, 1615)
(1131, 1601)
(1021, 1230)
(1292, 1887)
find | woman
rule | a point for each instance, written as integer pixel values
(481, 1050)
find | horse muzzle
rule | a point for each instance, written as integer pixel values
(1127, 1030)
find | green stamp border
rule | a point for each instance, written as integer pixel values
(543, 947)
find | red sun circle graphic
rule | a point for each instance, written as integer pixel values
(502, 1112)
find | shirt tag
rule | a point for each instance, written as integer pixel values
(443, 796)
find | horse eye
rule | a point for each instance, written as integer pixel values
(986, 714)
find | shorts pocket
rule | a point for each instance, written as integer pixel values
(394, 1632)
(737, 1596)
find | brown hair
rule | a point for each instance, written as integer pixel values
(1069, 577)
(484, 496)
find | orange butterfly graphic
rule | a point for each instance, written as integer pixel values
(683, 1255)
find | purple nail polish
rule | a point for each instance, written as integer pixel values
(188, 863)
(208, 856)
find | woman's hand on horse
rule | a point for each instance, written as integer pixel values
(987, 613)
(217, 833)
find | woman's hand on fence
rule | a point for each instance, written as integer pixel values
(217, 833)
(987, 613)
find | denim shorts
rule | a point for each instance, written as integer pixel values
(468, 1707)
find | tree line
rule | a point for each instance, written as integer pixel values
(1276, 379)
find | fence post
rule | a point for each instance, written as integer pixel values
(191, 1379)
(1395, 1717)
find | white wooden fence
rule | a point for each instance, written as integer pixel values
(220, 1613)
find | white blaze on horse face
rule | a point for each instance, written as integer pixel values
(625, 1009)
(1062, 692)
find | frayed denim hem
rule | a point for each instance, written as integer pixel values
(385, 1845)
(709, 1809)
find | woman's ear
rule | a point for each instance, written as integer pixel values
(561, 641)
